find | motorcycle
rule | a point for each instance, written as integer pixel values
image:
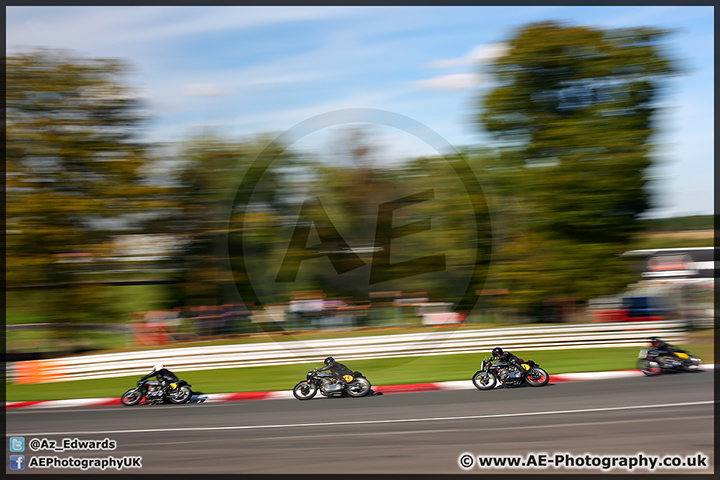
(491, 373)
(652, 363)
(356, 385)
(152, 393)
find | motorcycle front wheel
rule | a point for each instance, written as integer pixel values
(482, 382)
(694, 364)
(649, 368)
(180, 395)
(305, 390)
(359, 387)
(131, 397)
(537, 377)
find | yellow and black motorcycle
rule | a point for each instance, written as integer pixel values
(356, 385)
(490, 374)
(153, 394)
(652, 362)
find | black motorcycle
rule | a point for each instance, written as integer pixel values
(151, 391)
(507, 374)
(651, 362)
(355, 385)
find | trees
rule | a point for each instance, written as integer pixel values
(74, 168)
(572, 118)
(294, 211)
(351, 226)
(209, 173)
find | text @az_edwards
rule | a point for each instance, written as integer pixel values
(71, 444)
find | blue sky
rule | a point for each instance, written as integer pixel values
(251, 70)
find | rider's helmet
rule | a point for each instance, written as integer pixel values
(497, 351)
(157, 367)
(329, 360)
(655, 341)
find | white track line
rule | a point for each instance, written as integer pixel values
(493, 429)
(369, 422)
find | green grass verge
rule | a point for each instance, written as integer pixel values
(380, 372)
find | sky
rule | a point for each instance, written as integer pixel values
(246, 71)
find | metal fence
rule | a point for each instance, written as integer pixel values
(702, 323)
(481, 341)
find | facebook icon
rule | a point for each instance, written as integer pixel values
(17, 462)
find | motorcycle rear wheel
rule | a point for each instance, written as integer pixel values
(359, 387)
(649, 368)
(482, 383)
(131, 397)
(181, 395)
(305, 390)
(537, 377)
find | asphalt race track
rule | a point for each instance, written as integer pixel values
(425, 432)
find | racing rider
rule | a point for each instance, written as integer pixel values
(164, 376)
(506, 357)
(341, 373)
(663, 349)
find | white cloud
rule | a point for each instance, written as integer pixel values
(455, 81)
(462, 81)
(204, 90)
(479, 54)
(88, 28)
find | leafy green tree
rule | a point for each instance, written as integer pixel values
(210, 176)
(74, 172)
(572, 120)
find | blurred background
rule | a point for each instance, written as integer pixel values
(151, 197)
